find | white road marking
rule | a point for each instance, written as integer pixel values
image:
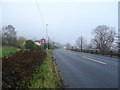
(94, 60)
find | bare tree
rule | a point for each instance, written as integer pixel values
(81, 42)
(91, 45)
(104, 37)
(9, 36)
(57, 45)
(68, 46)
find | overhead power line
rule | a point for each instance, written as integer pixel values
(40, 12)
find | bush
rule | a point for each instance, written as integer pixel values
(17, 70)
(29, 44)
(37, 47)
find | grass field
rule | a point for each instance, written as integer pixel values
(7, 51)
(47, 75)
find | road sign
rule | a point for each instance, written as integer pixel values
(111, 39)
(42, 41)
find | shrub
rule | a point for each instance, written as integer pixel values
(37, 47)
(29, 44)
(17, 70)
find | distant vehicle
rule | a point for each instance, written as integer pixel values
(95, 49)
(64, 47)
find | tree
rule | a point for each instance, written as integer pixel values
(68, 46)
(90, 45)
(21, 42)
(29, 44)
(81, 42)
(9, 35)
(104, 36)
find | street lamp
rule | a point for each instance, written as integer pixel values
(47, 36)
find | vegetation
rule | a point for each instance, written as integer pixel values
(21, 42)
(0, 53)
(29, 44)
(47, 75)
(18, 69)
(7, 51)
(30, 69)
(68, 46)
(81, 42)
(103, 38)
(9, 36)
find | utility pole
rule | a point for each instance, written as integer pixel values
(47, 38)
(81, 43)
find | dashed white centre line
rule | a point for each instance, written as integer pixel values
(94, 60)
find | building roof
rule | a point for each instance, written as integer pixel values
(37, 43)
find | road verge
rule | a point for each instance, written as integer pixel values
(47, 74)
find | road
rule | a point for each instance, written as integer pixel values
(83, 70)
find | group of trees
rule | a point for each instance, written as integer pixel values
(104, 37)
(9, 38)
(9, 35)
(103, 40)
(29, 44)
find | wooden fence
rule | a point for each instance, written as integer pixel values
(107, 53)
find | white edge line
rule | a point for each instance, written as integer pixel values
(94, 60)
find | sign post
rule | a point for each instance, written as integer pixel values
(42, 41)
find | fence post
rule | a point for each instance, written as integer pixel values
(81, 50)
(111, 53)
(102, 53)
(91, 51)
(96, 51)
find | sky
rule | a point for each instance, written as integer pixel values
(66, 19)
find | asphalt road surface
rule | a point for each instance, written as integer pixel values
(83, 70)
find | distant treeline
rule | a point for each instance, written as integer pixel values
(9, 38)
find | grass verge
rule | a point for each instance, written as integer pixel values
(47, 75)
(8, 51)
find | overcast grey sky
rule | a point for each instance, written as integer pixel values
(66, 20)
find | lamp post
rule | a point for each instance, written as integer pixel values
(47, 36)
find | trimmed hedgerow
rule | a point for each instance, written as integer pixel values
(17, 70)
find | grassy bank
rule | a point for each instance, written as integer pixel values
(30, 69)
(7, 51)
(47, 75)
(18, 69)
